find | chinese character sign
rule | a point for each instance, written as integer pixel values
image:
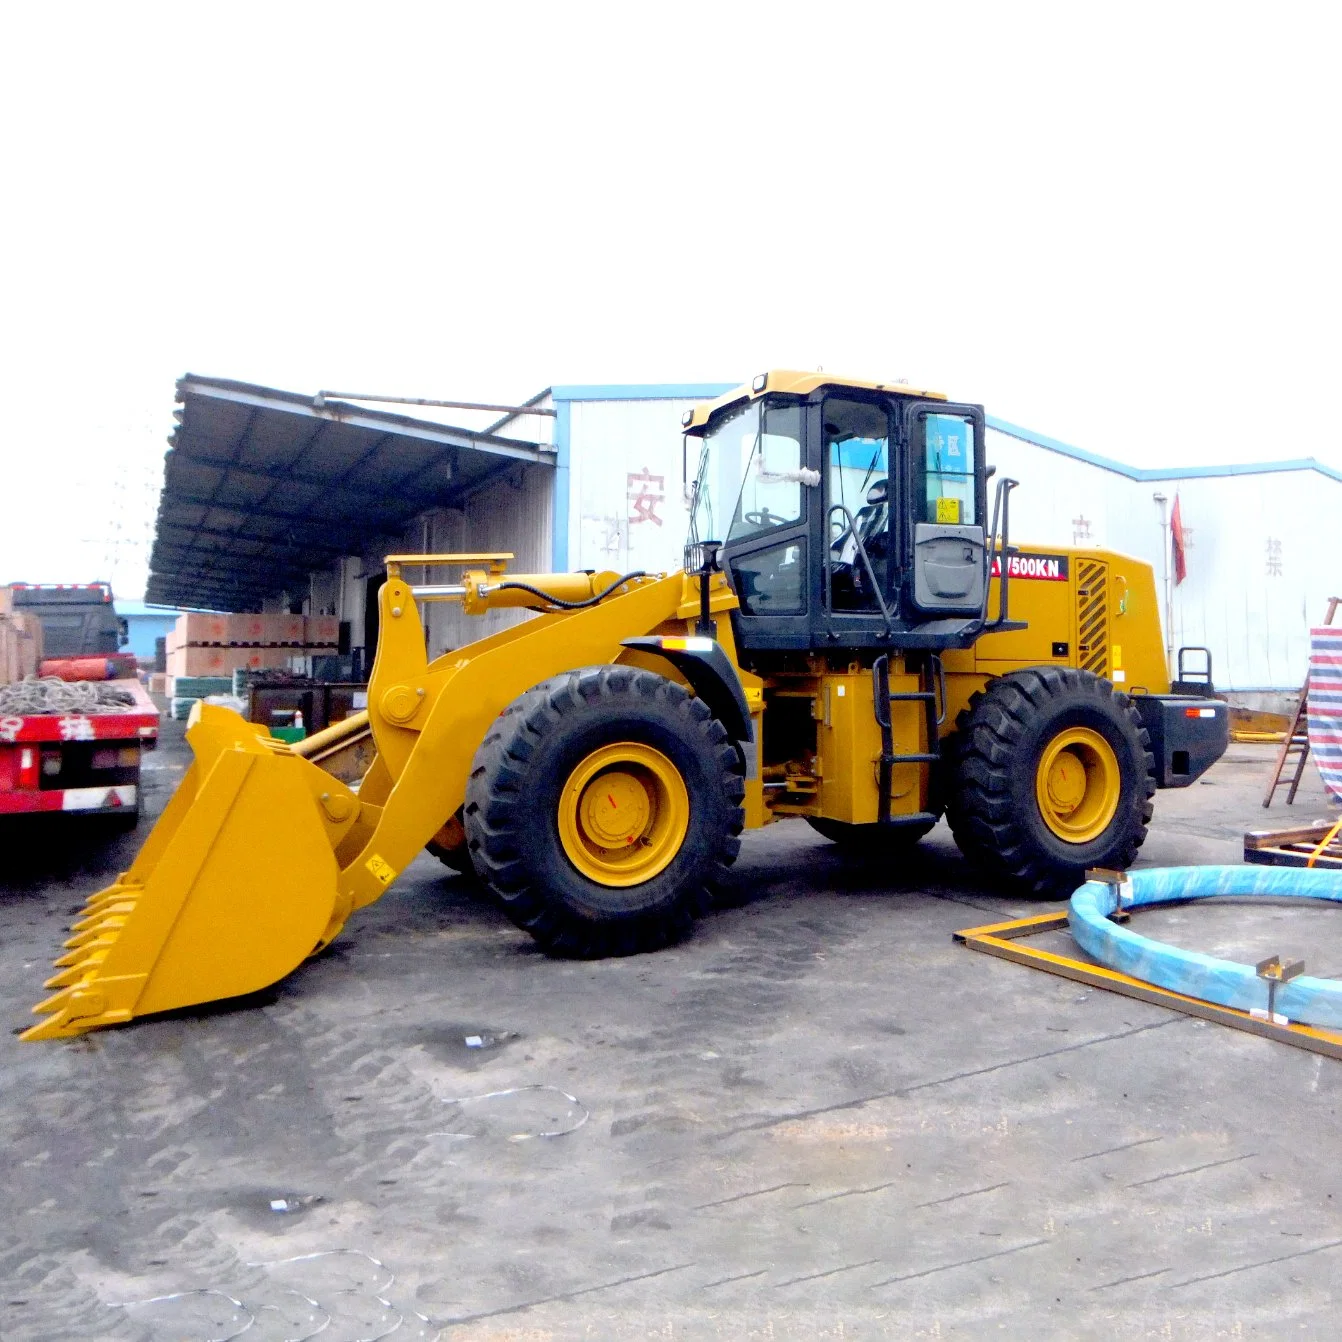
(1273, 557)
(645, 492)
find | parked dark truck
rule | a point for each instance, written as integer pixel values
(78, 619)
(74, 717)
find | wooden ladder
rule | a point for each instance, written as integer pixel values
(1296, 744)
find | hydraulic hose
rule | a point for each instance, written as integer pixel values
(569, 605)
(1316, 1001)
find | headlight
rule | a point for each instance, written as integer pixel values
(687, 418)
(760, 382)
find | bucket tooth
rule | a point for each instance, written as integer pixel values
(54, 1003)
(81, 964)
(102, 935)
(51, 1028)
(110, 893)
(121, 910)
(67, 978)
(59, 1024)
(103, 930)
(71, 1012)
(81, 953)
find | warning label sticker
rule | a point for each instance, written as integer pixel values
(381, 869)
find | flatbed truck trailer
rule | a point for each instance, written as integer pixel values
(87, 762)
(82, 751)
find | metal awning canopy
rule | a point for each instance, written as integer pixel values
(262, 487)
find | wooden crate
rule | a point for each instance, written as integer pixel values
(266, 631)
(194, 629)
(20, 646)
(197, 661)
(1306, 844)
(321, 631)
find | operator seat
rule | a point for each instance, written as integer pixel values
(850, 585)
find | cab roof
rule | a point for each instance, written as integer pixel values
(790, 382)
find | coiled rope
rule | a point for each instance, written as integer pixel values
(51, 695)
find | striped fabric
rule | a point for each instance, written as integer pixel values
(1325, 705)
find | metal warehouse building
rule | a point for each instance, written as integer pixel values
(276, 500)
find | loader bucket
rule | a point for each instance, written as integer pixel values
(234, 887)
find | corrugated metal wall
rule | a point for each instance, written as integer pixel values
(513, 514)
(1261, 561)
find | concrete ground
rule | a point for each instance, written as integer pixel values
(820, 1118)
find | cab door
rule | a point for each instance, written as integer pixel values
(859, 533)
(767, 553)
(946, 548)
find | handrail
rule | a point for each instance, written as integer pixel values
(866, 564)
(1002, 512)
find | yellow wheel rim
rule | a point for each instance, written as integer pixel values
(623, 814)
(1078, 785)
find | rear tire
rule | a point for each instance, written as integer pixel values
(1052, 774)
(534, 827)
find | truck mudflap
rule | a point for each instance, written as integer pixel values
(1188, 734)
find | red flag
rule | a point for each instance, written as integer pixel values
(1177, 544)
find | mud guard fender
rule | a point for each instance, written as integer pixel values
(711, 676)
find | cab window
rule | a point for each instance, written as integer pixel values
(771, 478)
(772, 581)
(944, 473)
(857, 453)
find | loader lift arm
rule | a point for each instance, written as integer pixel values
(261, 857)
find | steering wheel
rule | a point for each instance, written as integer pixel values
(763, 518)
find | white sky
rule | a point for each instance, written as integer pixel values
(1116, 225)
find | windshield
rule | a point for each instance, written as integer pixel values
(750, 474)
(728, 444)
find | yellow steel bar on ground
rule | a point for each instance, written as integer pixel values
(999, 939)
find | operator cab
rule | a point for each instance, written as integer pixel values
(848, 514)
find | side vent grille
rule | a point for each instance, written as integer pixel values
(1092, 616)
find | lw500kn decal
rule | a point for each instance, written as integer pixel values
(1046, 568)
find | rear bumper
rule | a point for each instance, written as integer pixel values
(118, 798)
(1188, 734)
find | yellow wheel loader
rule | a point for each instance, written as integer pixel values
(854, 641)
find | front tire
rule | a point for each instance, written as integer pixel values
(1053, 773)
(604, 809)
